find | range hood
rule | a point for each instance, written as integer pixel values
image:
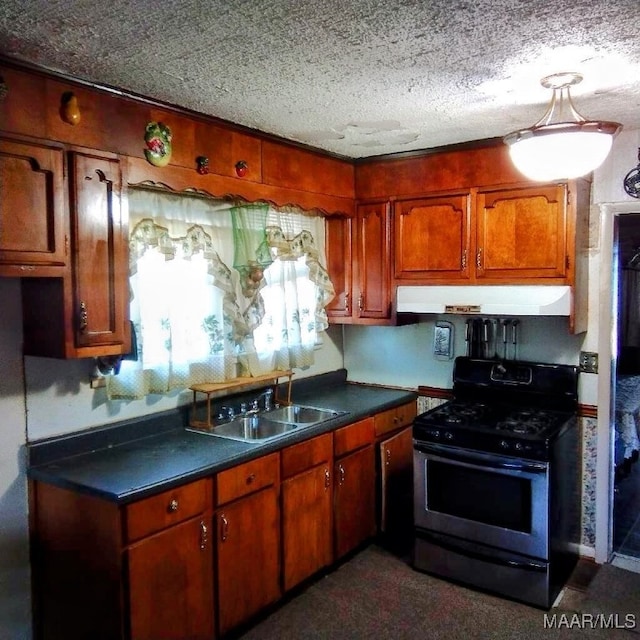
(521, 300)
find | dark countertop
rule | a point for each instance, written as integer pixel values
(132, 469)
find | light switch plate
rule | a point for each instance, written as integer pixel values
(588, 362)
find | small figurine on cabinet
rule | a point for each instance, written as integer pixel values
(69, 109)
(241, 168)
(202, 165)
(157, 136)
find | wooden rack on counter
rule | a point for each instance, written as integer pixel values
(213, 389)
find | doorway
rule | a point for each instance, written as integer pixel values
(606, 315)
(626, 387)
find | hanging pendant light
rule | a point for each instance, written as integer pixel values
(562, 144)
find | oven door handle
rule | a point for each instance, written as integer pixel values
(515, 465)
(528, 565)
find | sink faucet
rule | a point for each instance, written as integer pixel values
(229, 411)
(267, 399)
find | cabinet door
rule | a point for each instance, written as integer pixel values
(171, 584)
(248, 559)
(101, 287)
(306, 524)
(339, 260)
(373, 261)
(354, 501)
(396, 475)
(32, 219)
(521, 233)
(432, 238)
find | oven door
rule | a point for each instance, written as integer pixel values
(490, 499)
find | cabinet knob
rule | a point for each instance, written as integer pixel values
(204, 535)
(346, 302)
(464, 260)
(327, 479)
(251, 478)
(360, 302)
(388, 460)
(173, 506)
(342, 474)
(479, 258)
(84, 317)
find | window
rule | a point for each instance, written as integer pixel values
(199, 320)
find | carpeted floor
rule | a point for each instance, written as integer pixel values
(377, 595)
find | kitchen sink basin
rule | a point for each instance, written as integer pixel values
(268, 425)
(252, 428)
(300, 414)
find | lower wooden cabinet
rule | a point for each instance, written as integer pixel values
(248, 560)
(354, 500)
(171, 584)
(198, 560)
(93, 580)
(396, 487)
(307, 499)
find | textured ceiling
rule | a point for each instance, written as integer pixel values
(357, 78)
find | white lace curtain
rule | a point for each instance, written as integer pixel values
(195, 316)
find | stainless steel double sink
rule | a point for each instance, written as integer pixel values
(275, 423)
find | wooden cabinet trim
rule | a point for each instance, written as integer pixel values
(247, 478)
(303, 456)
(153, 514)
(353, 437)
(394, 419)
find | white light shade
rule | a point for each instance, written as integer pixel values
(562, 144)
(560, 155)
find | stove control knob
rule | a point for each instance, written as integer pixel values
(518, 446)
(448, 435)
(504, 444)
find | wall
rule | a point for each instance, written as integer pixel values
(403, 356)
(14, 550)
(60, 401)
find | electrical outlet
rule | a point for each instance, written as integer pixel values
(588, 362)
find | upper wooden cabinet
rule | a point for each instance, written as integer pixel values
(432, 237)
(358, 253)
(33, 228)
(507, 235)
(99, 236)
(522, 233)
(86, 313)
(339, 237)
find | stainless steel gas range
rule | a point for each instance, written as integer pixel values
(497, 479)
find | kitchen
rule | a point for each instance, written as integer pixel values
(43, 397)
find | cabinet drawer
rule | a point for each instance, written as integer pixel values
(352, 437)
(395, 418)
(167, 508)
(303, 456)
(247, 478)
